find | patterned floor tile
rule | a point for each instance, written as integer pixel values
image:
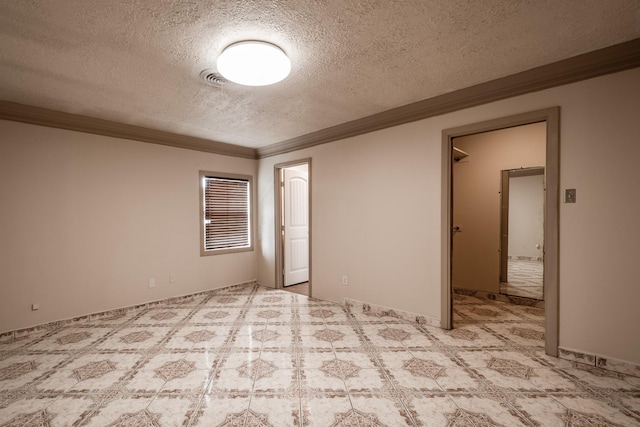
(205, 359)
(317, 380)
(433, 410)
(415, 380)
(375, 411)
(360, 358)
(191, 382)
(126, 411)
(631, 403)
(279, 382)
(66, 410)
(134, 338)
(525, 278)
(459, 380)
(17, 369)
(507, 376)
(92, 378)
(274, 411)
(227, 411)
(144, 381)
(18, 413)
(279, 359)
(315, 359)
(322, 410)
(173, 411)
(467, 336)
(489, 312)
(162, 315)
(600, 378)
(318, 340)
(253, 356)
(119, 361)
(394, 360)
(230, 380)
(591, 412)
(550, 380)
(544, 411)
(69, 339)
(484, 411)
(368, 380)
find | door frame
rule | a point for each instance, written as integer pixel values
(505, 184)
(551, 214)
(278, 199)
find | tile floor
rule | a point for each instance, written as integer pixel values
(525, 279)
(301, 288)
(253, 356)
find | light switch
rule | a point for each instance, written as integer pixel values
(570, 195)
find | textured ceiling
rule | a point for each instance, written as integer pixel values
(138, 61)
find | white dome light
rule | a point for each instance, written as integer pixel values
(253, 63)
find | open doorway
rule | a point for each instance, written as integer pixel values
(498, 213)
(550, 119)
(522, 231)
(293, 224)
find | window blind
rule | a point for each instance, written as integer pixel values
(226, 213)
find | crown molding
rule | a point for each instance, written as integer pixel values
(58, 119)
(612, 59)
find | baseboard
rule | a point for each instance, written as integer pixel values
(52, 326)
(525, 258)
(530, 302)
(380, 310)
(608, 363)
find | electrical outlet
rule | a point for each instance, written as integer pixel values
(345, 280)
(152, 283)
(172, 278)
(35, 307)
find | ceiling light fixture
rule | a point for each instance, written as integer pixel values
(253, 63)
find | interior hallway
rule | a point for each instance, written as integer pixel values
(254, 356)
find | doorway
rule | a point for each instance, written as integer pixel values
(522, 232)
(482, 234)
(293, 226)
(551, 118)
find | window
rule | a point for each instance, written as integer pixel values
(225, 218)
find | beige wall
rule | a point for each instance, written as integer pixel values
(378, 212)
(476, 199)
(360, 187)
(87, 220)
(526, 216)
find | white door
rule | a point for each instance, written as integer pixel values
(296, 225)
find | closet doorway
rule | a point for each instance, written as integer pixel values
(551, 118)
(494, 232)
(522, 232)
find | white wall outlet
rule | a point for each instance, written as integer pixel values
(345, 280)
(172, 278)
(35, 307)
(152, 283)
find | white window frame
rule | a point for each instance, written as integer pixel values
(204, 175)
